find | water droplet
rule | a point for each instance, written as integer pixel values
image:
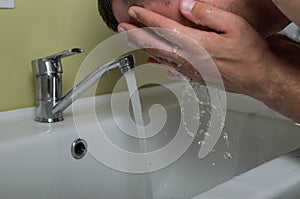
(213, 164)
(209, 11)
(201, 103)
(201, 143)
(226, 138)
(213, 107)
(201, 131)
(207, 136)
(192, 135)
(197, 118)
(227, 156)
(179, 65)
(209, 123)
(222, 124)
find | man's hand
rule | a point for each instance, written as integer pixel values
(239, 52)
(243, 57)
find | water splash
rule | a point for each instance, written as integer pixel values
(227, 156)
(226, 139)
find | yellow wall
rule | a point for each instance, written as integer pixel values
(37, 28)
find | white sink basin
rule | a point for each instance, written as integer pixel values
(36, 160)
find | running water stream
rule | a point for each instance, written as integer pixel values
(140, 125)
(137, 109)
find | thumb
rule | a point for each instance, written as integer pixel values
(207, 15)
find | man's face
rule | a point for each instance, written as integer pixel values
(172, 11)
(258, 13)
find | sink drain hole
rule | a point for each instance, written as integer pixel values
(79, 149)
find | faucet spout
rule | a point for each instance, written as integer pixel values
(48, 80)
(125, 64)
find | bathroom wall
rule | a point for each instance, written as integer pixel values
(39, 28)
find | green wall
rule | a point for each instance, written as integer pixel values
(37, 28)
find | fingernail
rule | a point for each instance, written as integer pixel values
(121, 29)
(132, 13)
(188, 5)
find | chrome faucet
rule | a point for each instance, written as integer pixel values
(48, 83)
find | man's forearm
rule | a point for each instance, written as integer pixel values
(281, 89)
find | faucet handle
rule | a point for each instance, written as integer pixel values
(52, 64)
(65, 53)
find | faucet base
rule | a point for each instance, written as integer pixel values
(43, 112)
(49, 120)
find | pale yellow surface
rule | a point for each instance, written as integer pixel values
(39, 28)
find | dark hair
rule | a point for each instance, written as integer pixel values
(105, 10)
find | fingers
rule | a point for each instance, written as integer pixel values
(145, 38)
(172, 43)
(161, 50)
(152, 19)
(207, 15)
(165, 27)
(151, 43)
